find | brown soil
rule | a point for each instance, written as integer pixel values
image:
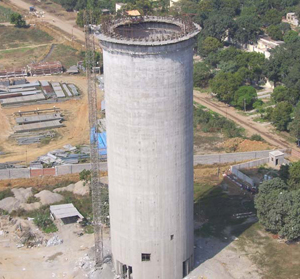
(244, 145)
(76, 131)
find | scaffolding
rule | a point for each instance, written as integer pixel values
(96, 185)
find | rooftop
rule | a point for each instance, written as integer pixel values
(148, 30)
(64, 211)
(276, 153)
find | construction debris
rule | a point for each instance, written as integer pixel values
(55, 240)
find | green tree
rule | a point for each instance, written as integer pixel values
(271, 17)
(281, 115)
(284, 172)
(274, 32)
(291, 36)
(202, 74)
(225, 85)
(294, 126)
(208, 45)
(284, 27)
(269, 210)
(17, 20)
(294, 175)
(248, 29)
(218, 26)
(245, 96)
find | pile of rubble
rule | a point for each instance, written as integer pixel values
(68, 155)
(23, 233)
(55, 240)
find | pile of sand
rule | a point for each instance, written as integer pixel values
(47, 197)
(22, 194)
(80, 188)
(10, 204)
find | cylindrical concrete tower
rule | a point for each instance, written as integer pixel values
(148, 77)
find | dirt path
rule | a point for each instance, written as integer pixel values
(251, 126)
(76, 131)
(62, 24)
(30, 46)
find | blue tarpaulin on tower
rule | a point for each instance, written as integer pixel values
(102, 144)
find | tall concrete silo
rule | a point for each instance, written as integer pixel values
(148, 74)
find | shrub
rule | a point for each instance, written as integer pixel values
(6, 193)
(44, 222)
(257, 137)
(85, 175)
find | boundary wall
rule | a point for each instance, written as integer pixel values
(69, 169)
(235, 169)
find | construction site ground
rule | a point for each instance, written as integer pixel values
(71, 259)
(75, 132)
(225, 247)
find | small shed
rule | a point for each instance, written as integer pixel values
(66, 212)
(276, 158)
(73, 70)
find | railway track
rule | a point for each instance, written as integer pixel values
(266, 136)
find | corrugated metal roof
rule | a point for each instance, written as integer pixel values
(44, 82)
(64, 211)
(67, 90)
(23, 99)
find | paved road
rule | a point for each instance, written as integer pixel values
(53, 20)
(246, 122)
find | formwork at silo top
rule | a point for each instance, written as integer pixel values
(148, 30)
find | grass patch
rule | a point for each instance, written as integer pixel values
(218, 208)
(209, 121)
(21, 57)
(5, 194)
(5, 14)
(33, 199)
(67, 55)
(12, 37)
(276, 259)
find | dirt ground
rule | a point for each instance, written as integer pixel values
(76, 131)
(71, 259)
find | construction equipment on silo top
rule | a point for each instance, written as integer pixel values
(94, 156)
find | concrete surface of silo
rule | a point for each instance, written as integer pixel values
(148, 77)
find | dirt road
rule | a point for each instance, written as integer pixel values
(76, 131)
(251, 126)
(62, 24)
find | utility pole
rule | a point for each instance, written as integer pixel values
(94, 152)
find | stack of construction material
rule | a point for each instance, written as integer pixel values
(46, 86)
(45, 68)
(58, 90)
(15, 72)
(73, 89)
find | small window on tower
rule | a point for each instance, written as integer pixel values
(146, 257)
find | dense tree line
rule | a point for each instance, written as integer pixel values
(278, 203)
